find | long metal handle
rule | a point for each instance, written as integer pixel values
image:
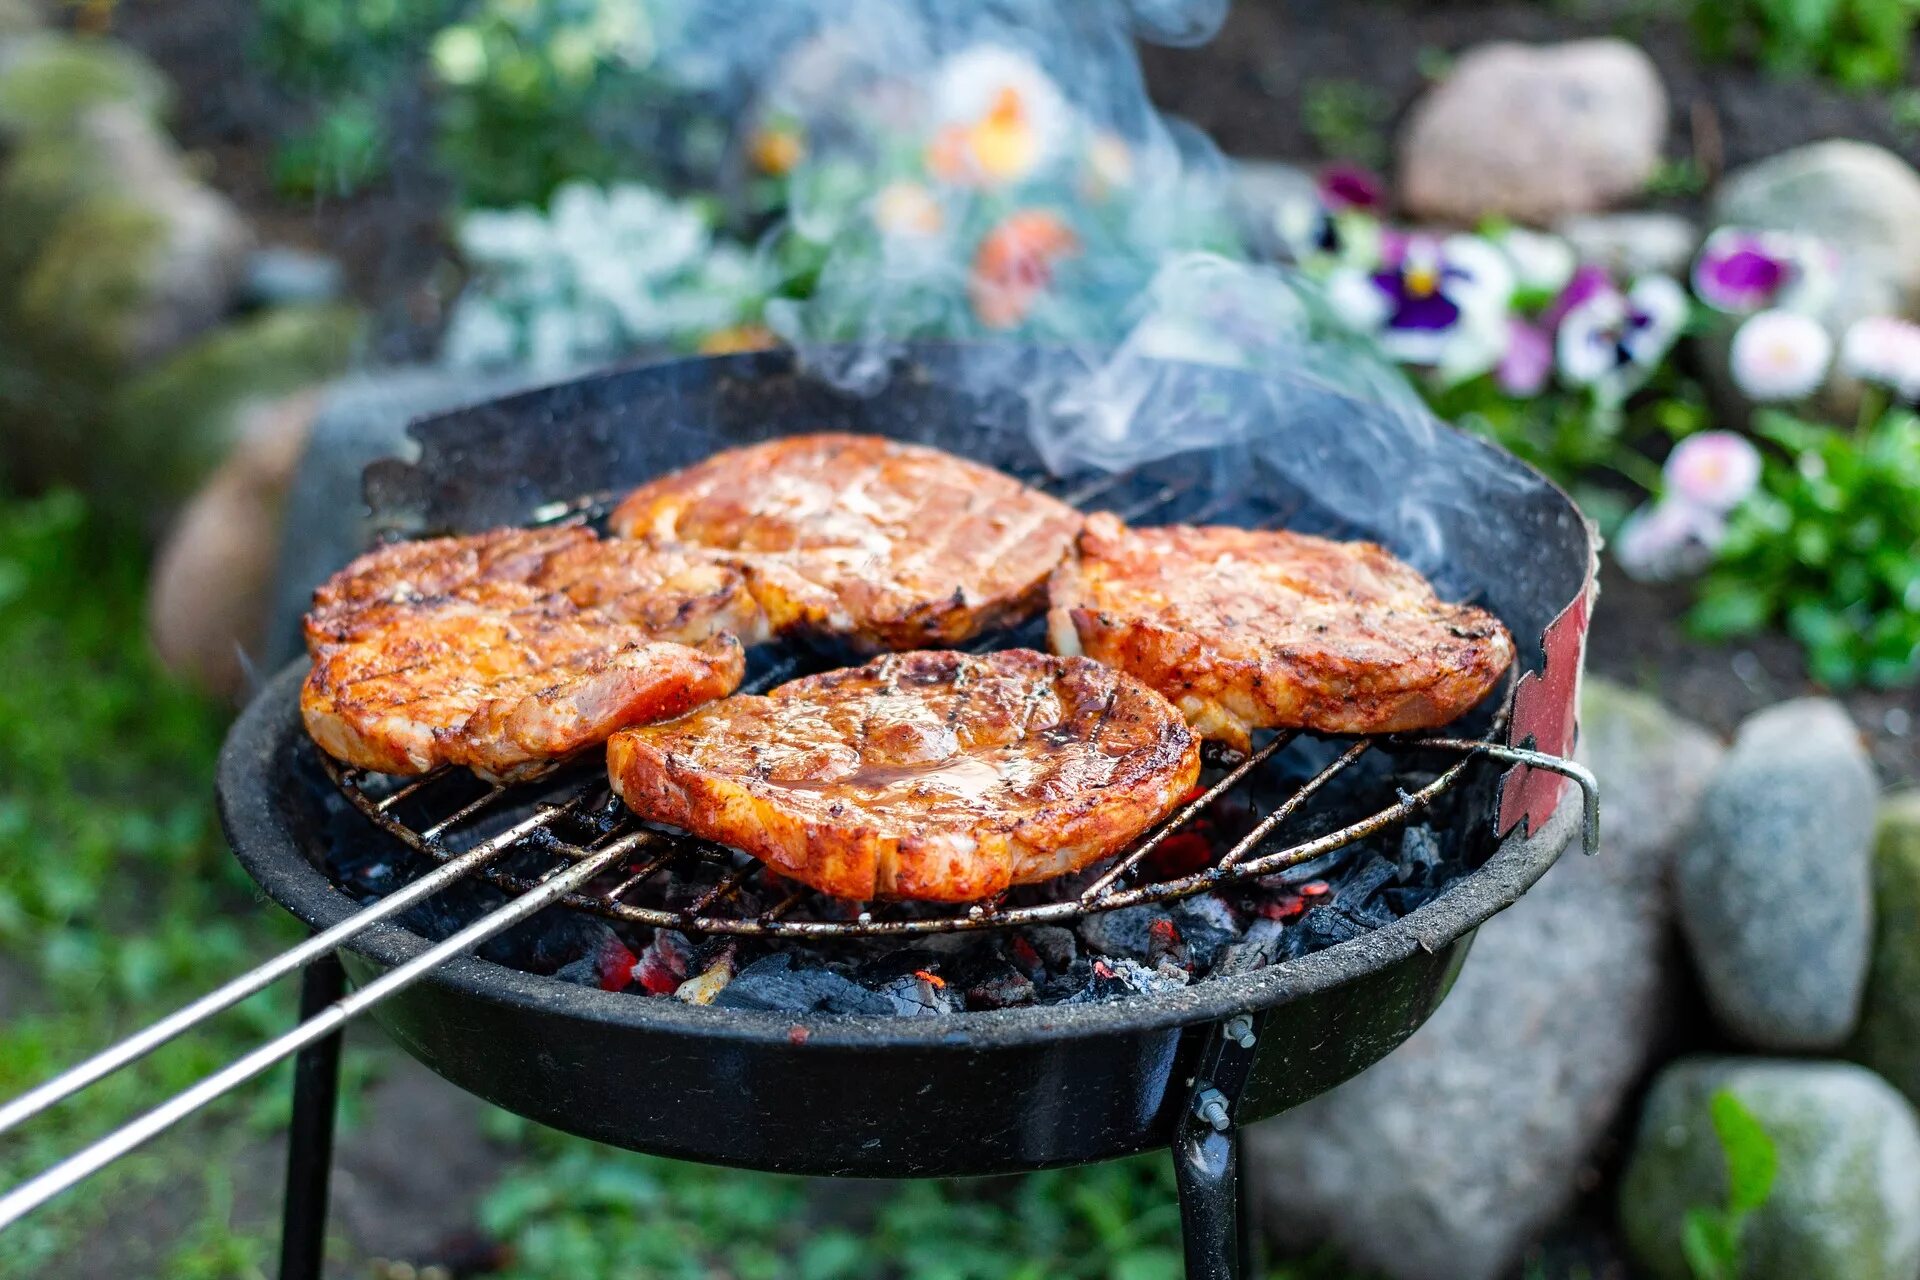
(144, 1042)
(35, 1192)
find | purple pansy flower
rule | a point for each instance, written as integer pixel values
(1740, 271)
(1440, 303)
(1348, 186)
(1527, 362)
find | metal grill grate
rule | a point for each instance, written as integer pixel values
(569, 820)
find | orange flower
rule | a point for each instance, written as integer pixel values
(1014, 265)
(1000, 117)
(776, 150)
(737, 338)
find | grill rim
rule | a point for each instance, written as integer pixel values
(255, 765)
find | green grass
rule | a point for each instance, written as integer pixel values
(118, 901)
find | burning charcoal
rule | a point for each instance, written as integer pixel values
(1356, 895)
(1166, 949)
(1025, 958)
(1126, 932)
(774, 983)
(1208, 924)
(1405, 899)
(916, 995)
(611, 968)
(1313, 869)
(1000, 991)
(886, 967)
(663, 966)
(1181, 853)
(1056, 946)
(1108, 979)
(1072, 979)
(1420, 854)
(1319, 929)
(1262, 946)
(711, 980)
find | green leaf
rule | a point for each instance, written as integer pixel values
(1752, 1160)
(1730, 609)
(1711, 1251)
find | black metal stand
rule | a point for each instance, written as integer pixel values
(316, 1090)
(1215, 1225)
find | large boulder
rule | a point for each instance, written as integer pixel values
(207, 599)
(137, 256)
(1633, 243)
(1889, 1035)
(363, 418)
(1773, 886)
(174, 423)
(1845, 1203)
(1534, 132)
(1446, 1159)
(48, 80)
(1861, 200)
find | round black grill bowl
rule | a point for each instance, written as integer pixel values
(891, 1097)
(967, 1093)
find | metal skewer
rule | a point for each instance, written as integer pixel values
(36, 1191)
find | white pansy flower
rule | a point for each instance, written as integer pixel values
(1541, 263)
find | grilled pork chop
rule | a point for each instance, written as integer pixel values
(880, 544)
(934, 775)
(1247, 629)
(506, 651)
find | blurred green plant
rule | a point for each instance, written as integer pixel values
(534, 96)
(1347, 120)
(1863, 44)
(343, 152)
(1829, 547)
(581, 1210)
(1710, 1237)
(116, 897)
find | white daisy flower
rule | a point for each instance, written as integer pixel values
(1780, 355)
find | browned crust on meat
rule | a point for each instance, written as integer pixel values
(507, 651)
(1253, 629)
(874, 542)
(934, 775)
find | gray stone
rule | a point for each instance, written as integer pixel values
(1845, 1204)
(1860, 199)
(363, 419)
(1889, 1036)
(1773, 885)
(279, 274)
(48, 80)
(1447, 1158)
(1634, 243)
(1534, 132)
(129, 256)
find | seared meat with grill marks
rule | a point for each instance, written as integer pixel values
(933, 775)
(506, 651)
(880, 544)
(1246, 629)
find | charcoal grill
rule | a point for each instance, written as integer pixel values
(965, 1093)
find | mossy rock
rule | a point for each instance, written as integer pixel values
(1845, 1204)
(48, 81)
(173, 424)
(78, 299)
(1889, 1035)
(19, 18)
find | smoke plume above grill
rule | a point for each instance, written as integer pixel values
(995, 173)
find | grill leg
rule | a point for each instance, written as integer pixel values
(316, 1089)
(1213, 1228)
